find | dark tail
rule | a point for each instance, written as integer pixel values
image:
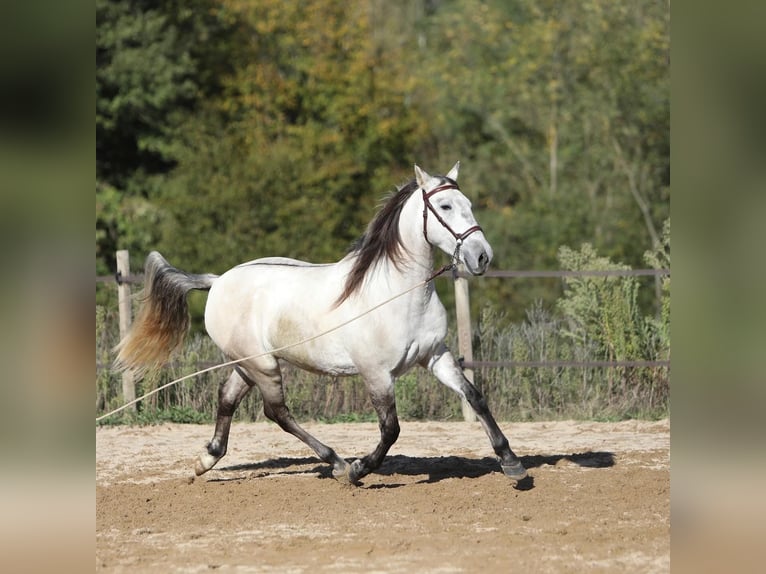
(163, 318)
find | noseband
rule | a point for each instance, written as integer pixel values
(427, 205)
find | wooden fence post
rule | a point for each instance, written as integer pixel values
(464, 342)
(124, 303)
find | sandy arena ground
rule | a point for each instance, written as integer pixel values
(598, 501)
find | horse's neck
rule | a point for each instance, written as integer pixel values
(418, 252)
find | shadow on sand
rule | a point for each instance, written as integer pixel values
(435, 468)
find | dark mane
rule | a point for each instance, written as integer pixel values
(380, 240)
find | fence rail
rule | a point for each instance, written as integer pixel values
(120, 279)
(564, 273)
(579, 364)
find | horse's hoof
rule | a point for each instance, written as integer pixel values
(345, 478)
(204, 463)
(356, 471)
(514, 471)
(349, 474)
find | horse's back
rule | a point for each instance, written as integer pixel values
(247, 302)
(280, 275)
(281, 262)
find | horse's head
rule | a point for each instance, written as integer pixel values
(448, 222)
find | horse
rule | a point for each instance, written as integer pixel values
(256, 311)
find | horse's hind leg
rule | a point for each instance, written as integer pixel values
(230, 394)
(384, 402)
(269, 382)
(446, 369)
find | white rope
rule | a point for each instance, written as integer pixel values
(277, 350)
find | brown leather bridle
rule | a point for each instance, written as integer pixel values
(428, 206)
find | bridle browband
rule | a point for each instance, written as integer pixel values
(427, 205)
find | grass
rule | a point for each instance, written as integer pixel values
(173, 414)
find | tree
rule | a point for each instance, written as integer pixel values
(155, 63)
(562, 112)
(313, 136)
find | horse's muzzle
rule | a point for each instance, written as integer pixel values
(477, 263)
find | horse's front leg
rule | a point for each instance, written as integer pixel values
(444, 366)
(383, 400)
(230, 394)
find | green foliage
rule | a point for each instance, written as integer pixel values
(659, 258)
(311, 137)
(533, 393)
(144, 83)
(601, 310)
(562, 112)
(143, 76)
(122, 220)
(559, 392)
(174, 414)
(107, 336)
(602, 314)
(155, 63)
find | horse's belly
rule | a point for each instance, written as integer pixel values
(310, 345)
(332, 368)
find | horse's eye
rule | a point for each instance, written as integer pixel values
(445, 207)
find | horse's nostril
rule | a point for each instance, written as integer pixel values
(483, 259)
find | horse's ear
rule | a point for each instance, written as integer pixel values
(453, 172)
(421, 176)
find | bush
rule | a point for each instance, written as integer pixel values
(603, 318)
(601, 312)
